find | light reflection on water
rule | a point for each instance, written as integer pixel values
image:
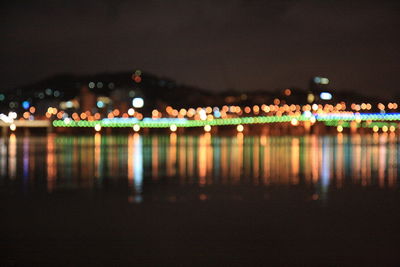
(324, 162)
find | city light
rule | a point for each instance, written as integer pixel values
(136, 128)
(138, 102)
(131, 112)
(97, 127)
(325, 96)
(13, 127)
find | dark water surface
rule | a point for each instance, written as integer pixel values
(178, 200)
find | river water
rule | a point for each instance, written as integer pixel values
(200, 199)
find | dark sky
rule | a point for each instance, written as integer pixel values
(210, 44)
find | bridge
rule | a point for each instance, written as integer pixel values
(375, 121)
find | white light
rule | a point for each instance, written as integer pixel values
(67, 120)
(173, 128)
(5, 118)
(13, 127)
(136, 128)
(325, 96)
(97, 127)
(207, 128)
(240, 128)
(131, 112)
(203, 115)
(12, 115)
(137, 102)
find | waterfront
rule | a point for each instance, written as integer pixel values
(200, 199)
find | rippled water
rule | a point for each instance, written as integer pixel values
(322, 163)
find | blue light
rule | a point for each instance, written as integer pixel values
(217, 114)
(325, 96)
(100, 104)
(26, 104)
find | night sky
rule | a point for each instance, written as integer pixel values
(210, 44)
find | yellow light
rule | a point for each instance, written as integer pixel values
(310, 98)
(240, 128)
(392, 128)
(339, 128)
(136, 128)
(385, 129)
(97, 127)
(13, 127)
(207, 128)
(375, 129)
(173, 128)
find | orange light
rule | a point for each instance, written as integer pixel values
(116, 112)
